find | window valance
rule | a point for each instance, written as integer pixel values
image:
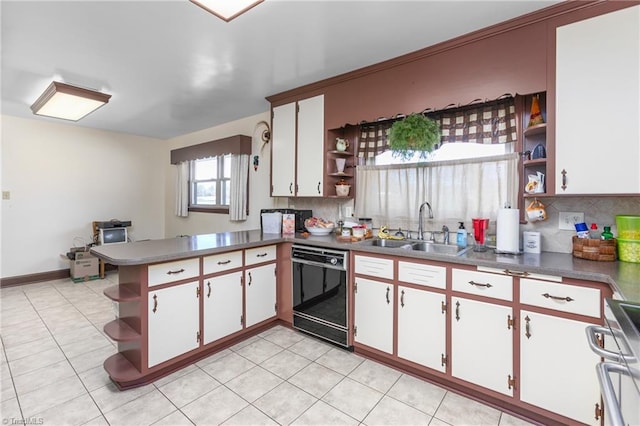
(239, 144)
(478, 122)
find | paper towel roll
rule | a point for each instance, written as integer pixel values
(508, 231)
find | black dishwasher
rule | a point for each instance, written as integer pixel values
(320, 299)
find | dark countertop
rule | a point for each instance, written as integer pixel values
(623, 277)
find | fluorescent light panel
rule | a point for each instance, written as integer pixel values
(61, 100)
(226, 9)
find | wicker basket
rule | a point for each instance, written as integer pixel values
(593, 249)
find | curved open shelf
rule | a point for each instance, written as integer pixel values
(120, 331)
(119, 293)
(535, 130)
(120, 369)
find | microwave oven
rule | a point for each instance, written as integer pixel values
(113, 236)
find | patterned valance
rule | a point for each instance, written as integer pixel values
(487, 122)
(374, 138)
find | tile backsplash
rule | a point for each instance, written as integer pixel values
(599, 210)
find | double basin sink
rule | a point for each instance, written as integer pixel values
(422, 246)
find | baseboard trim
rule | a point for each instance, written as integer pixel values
(35, 278)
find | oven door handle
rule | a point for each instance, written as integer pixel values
(603, 369)
(593, 344)
(319, 264)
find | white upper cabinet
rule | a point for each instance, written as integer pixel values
(310, 146)
(598, 105)
(297, 162)
(283, 151)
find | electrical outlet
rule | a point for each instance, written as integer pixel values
(567, 220)
(6, 195)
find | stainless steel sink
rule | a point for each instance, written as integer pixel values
(391, 243)
(424, 246)
(431, 247)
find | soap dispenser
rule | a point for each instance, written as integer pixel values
(461, 236)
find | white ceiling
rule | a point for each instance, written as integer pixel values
(172, 68)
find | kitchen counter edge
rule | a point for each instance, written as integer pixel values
(623, 277)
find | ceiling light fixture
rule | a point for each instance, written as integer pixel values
(226, 9)
(61, 100)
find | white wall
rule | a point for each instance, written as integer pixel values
(62, 177)
(259, 182)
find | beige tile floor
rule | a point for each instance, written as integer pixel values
(51, 371)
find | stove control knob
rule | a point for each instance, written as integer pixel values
(333, 261)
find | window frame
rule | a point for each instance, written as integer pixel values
(220, 179)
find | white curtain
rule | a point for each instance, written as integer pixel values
(457, 190)
(182, 189)
(239, 179)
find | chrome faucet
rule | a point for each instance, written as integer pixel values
(445, 231)
(420, 214)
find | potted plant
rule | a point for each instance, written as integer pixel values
(414, 133)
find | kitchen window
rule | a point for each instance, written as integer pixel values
(210, 184)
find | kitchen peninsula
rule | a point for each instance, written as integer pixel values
(182, 299)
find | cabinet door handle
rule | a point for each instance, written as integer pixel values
(388, 290)
(179, 271)
(564, 179)
(250, 279)
(457, 311)
(209, 287)
(291, 188)
(487, 285)
(224, 262)
(527, 330)
(402, 299)
(549, 296)
(516, 273)
(155, 303)
(319, 187)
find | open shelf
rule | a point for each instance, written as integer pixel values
(119, 293)
(538, 129)
(536, 162)
(120, 369)
(120, 331)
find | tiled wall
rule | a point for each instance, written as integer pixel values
(599, 210)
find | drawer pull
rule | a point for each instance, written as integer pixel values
(179, 271)
(487, 285)
(224, 262)
(402, 299)
(261, 254)
(516, 273)
(388, 290)
(155, 303)
(566, 299)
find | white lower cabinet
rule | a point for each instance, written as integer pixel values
(482, 344)
(557, 367)
(260, 294)
(222, 306)
(374, 314)
(422, 327)
(173, 322)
